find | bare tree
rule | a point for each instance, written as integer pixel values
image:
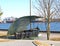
(48, 9)
(0, 13)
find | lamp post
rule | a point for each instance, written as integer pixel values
(30, 14)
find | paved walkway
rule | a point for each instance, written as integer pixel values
(17, 43)
(27, 43)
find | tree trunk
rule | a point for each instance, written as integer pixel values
(48, 31)
(48, 21)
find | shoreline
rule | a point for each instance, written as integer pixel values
(39, 31)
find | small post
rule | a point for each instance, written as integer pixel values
(51, 44)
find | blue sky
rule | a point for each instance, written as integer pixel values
(15, 8)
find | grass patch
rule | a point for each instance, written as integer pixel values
(38, 43)
(30, 38)
(55, 39)
(3, 33)
(4, 40)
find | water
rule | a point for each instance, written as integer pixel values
(5, 25)
(54, 26)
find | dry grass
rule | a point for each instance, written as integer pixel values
(4, 40)
(55, 38)
(3, 37)
(3, 33)
(38, 43)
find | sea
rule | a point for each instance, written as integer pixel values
(54, 26)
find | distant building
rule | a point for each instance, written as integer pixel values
(0, 21)
(9, 20)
